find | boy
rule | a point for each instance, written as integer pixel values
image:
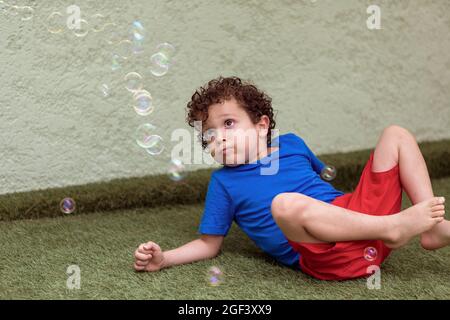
(291, 213)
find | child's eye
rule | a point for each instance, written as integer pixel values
(229, 122)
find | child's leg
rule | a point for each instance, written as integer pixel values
(398, 145)
(305, 219)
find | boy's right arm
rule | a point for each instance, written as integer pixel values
(149, 256)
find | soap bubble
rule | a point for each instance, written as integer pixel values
(370, 253)
(137, 31)
(26, 13)
(67, 205)
(137, 35)
(156, 143)
(162, 59)
(176, 170)
(167, 49)
(55, 22)
(143, 102)
(159, 64)
(98, 22)
(328, 173)
(143, 135)
(215, 276)
(83, 30)
(133, 81)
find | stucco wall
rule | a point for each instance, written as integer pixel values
(333, 81)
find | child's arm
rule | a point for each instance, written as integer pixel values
(216, 221)
(150, 257)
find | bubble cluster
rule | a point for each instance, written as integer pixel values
(67, 205)
(215, 276)
(370, 253)
(57, 22)
(142, 100)
(137, 36)
(328, 173)
(176, 170)
(124, 44)
(147, 139)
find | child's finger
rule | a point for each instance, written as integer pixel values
(141, 263)
(152, 246)
(143, 257)
(138, 268)
(156, 247)
(138, 251)
(142, 249)
(149, 245)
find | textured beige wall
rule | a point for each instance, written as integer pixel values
(333, 81)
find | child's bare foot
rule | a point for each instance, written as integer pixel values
(437, 237)
(415, 220)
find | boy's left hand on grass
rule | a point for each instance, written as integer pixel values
(148, 257)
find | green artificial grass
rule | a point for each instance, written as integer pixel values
(157, 190)
(35, 255)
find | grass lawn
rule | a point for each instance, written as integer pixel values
(35, 255)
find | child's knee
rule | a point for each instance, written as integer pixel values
(288, 206)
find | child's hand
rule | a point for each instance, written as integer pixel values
(148, 257)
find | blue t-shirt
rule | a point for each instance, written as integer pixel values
(244, 194)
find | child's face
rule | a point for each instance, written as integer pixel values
(232, 137)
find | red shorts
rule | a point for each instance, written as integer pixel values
(377, 193)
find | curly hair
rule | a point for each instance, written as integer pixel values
(255, 102)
